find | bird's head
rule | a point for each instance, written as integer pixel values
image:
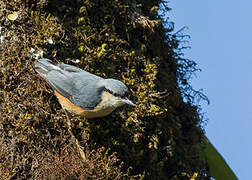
(119, 91)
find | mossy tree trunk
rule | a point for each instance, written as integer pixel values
(127, 40)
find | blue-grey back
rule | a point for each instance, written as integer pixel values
(80, 87)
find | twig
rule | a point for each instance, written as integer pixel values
(75, 140)
(160, 95)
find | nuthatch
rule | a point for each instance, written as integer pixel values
(81, 92)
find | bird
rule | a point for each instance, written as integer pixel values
(81, 92)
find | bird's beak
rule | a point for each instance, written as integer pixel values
(129, 102)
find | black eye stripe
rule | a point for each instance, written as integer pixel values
(115, 94)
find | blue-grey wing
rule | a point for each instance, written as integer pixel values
(80, 87)
(87, 90)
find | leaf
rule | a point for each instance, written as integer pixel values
(218, 167)
(13, 16)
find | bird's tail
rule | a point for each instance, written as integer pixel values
(44, 66)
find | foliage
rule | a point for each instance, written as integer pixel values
(162, 137)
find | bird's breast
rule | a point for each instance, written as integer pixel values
(104, 108)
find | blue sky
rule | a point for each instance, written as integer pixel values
(221, 44)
